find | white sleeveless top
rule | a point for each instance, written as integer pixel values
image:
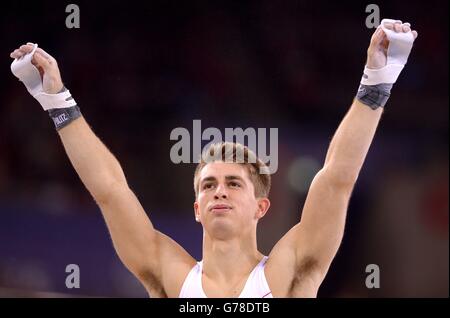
(255, 287)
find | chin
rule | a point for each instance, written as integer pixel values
(221, 229)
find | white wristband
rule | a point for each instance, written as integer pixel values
(53, 101)
(27, 73)
(400, 45)
(384, 75)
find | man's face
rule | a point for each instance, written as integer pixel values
(226, 203)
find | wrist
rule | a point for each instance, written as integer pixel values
(374, 96)
(63, 116)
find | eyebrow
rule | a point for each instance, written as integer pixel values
(227, 178)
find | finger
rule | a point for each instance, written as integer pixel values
(30, 46)
(19, 53)
(406, 28)
(389, 25)
(16, 54)
(377, 37)
(397, 27)
(41, 61)
(38, 66)
(26, 48)
(44, 54)
(415, 34)
(384, 44)
(34, 61)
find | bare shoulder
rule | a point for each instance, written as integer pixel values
(286, 273)
(173, 264)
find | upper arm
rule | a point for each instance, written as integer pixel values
(320, 231)
(308, 249)
(146, 252)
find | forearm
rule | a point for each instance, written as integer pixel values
(98, 169)
(387, 54)
(351, 142)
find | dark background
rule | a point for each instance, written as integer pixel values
(140, 69)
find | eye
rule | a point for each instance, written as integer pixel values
(207, 186)
(235, 184)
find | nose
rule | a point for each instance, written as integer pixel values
(221, 192)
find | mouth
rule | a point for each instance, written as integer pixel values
(218, 208)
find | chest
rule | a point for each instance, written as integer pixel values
(223, 289)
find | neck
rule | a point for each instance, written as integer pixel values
(231, 258)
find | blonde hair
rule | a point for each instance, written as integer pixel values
(236, 153)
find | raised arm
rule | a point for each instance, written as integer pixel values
(142, 249)
(310, 246)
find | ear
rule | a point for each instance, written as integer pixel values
(263, 207)
(196, 212)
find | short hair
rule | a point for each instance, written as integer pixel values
(231, 152)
